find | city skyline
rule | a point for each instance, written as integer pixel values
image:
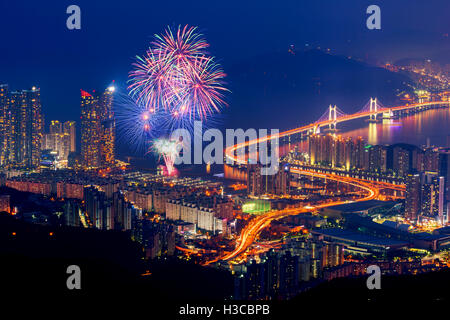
(402, 34)
(210, 158)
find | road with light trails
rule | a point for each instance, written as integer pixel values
(372, 189)
(255, 226)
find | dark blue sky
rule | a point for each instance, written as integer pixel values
(36, 48)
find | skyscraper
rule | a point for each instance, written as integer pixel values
(70, 128)
(377, 158)
(254, 180)
(55, 126)
(444, 171)
(34, 124)
(432, 196)
(58, 140)
(16, 127)
(413, 193)
(424, 196)
(90, 130)
(4, 123)
(97, 129)
(337, 152)
(21, 130)
(59, 143)
(108, 128)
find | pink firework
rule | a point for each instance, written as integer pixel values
(178, 77)
(151, 80)
(202, 92)
(183, 48)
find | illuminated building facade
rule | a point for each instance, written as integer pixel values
(90, 130)
(207, 213)
(336, 152)
(21, 130)
(432, 196)
(34, 126)
(412, 201)
(258, 184)
(109, 212)
(5, 203)
(378, 159)
(108, 128)
(401, 161)
(58, 142)
(254, 180)
(425, 196)
(97, 129)
(69, 128)
(55, 126)
(5, 132)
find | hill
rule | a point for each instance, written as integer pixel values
(284, 90)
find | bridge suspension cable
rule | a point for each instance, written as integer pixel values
(373, 105)
(332, 113)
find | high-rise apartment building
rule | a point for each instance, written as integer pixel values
(401, 161)
(69, 127)
(259, 184)
(412, 201)
(97, 129)
(34, 125)
(60, 140)
(90, 130)
(21, 130)
(254, 180)
(4, 124)
(424, 196)
(432, 193)
(55, 126)
(378, 159)
(336, 152)
(58, 143)
(107, 129)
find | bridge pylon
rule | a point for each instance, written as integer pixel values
(332, 117)
(373, 108)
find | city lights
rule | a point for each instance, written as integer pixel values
(247, 161)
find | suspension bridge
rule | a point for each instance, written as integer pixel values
(334, 115)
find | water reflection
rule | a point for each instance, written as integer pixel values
(431, 126)
(372, 134)
(414, 129)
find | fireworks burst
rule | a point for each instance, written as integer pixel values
(178, 78)
(168, 150)
(136, 124)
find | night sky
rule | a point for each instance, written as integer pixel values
(36, 48)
